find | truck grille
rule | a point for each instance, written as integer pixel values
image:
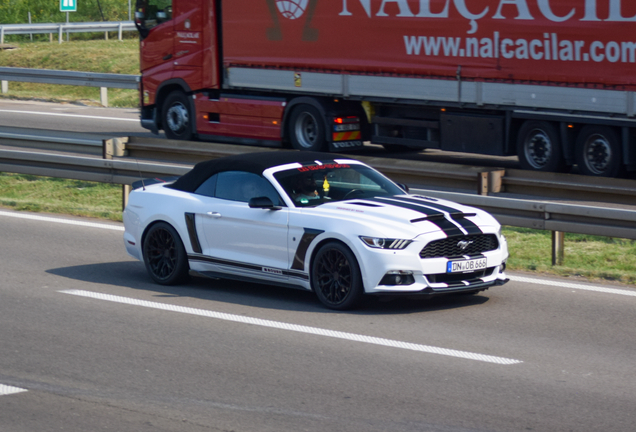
(451, 247)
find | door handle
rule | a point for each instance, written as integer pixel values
(167, 57)
(214, 214)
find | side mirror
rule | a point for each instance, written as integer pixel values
(404, 187)
(263, 203)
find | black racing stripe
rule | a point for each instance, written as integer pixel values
(437, 217)
(299, 258)
(247, 266)
(456, 215)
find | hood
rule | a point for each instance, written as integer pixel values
(413, 214)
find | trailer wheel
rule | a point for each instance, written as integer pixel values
(176, 116)
(539, 147)
(307, 129)
(598, 152)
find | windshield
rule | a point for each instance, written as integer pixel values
(312, 185)
(150, 13)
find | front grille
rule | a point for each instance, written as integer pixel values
(451, 247)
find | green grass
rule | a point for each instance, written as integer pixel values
(54, 195)
(589, 257)
(104, 56)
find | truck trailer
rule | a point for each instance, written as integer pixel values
(551, 81)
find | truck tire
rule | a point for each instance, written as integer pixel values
(307, 130)
(598, 152)
(176, 116)
(539, 147)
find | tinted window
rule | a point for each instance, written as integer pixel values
(208, 188)
(242, 186)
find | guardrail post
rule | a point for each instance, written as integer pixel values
(5, 86)
(482, 183)
(1, 35)
(121, 29)
(103, 96)
(489, 182)
(557, 247)
(59, 34)
(125, 191)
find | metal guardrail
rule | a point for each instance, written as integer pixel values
(400, 170)
(123, 172)
(65, 144)
(49, 76)
(61, 28)
(417, 174)
(483, 180)
(513, 212)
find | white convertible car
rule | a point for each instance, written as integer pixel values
(313, 221)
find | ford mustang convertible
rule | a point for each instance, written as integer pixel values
(313, 221)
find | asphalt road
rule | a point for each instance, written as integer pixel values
(79, 121)
(95, 346)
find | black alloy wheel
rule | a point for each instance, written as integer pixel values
(335, 276)
(164, 255)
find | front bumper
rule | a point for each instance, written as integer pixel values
(429, 276)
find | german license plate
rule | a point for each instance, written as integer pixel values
(466, 265)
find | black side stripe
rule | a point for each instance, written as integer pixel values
(303, 245)
(456, 215)
(247, 266)
(192, 233)
(437, 217)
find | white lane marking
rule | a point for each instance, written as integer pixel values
(572, 286)
(62, 221)
(297, 328)
(7, 390)
(71, 115)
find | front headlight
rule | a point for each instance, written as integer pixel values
(383, 243)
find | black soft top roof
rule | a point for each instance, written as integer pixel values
(251, 162)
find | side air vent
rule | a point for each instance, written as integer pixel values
(366, 204)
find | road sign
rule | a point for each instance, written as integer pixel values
(68, 5)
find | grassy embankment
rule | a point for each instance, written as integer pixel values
(595, 258)
(105, 56)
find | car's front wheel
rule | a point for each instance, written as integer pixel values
(335, 276)
(164, 255)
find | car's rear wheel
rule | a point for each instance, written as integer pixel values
(335, 276)
(164, 255)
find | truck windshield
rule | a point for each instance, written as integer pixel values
(151, 13)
